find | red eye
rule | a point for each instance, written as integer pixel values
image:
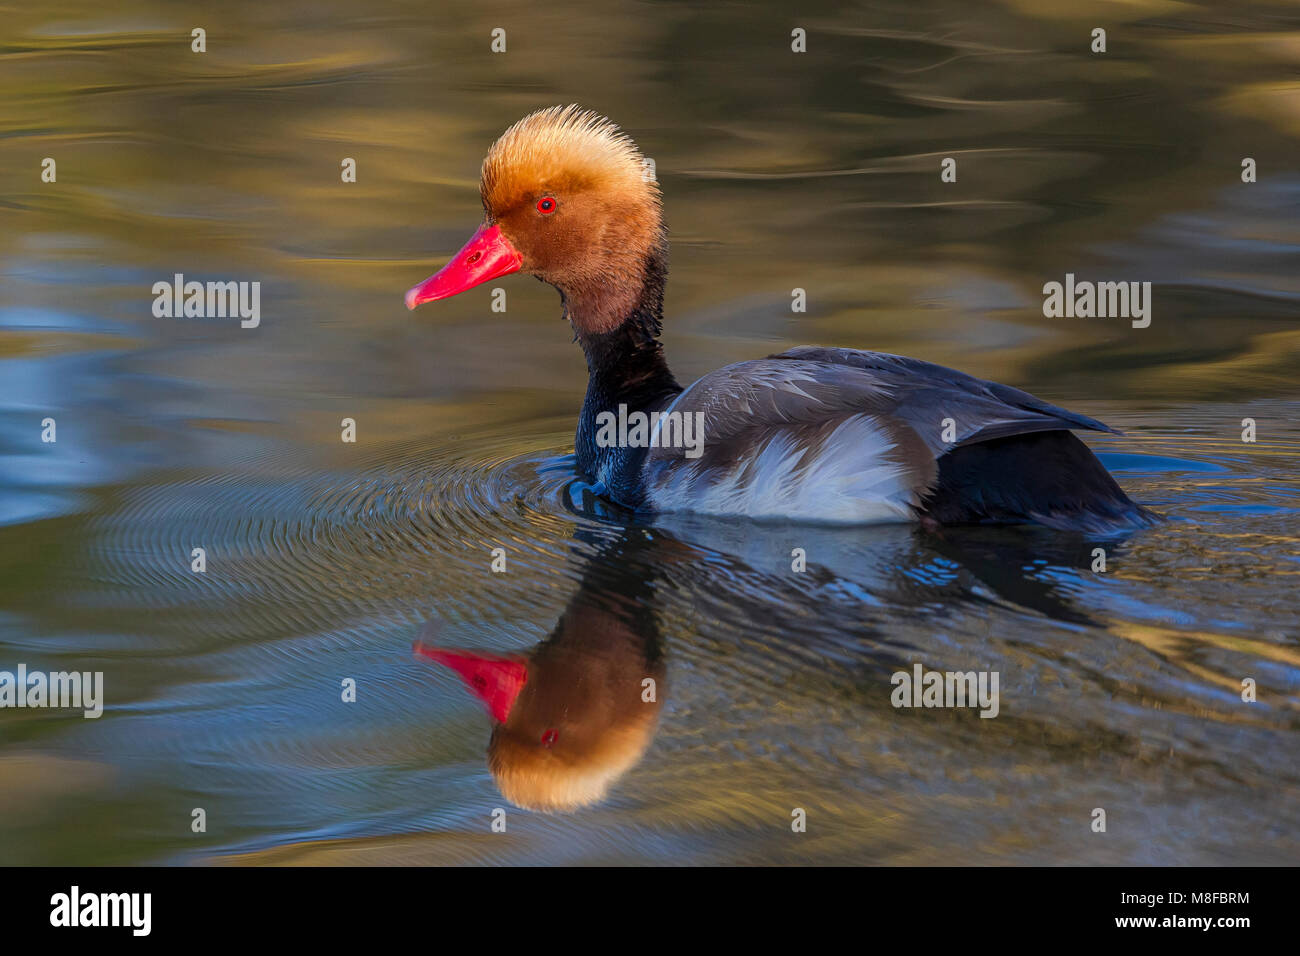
(550, 737)
(546, 206)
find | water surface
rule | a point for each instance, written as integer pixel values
(326, 561)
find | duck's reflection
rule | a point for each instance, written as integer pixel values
(579, 710)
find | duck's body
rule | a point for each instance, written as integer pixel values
(812, 434)
(850, 437)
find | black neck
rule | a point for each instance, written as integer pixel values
(627, 365)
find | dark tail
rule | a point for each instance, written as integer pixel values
(1050, 478)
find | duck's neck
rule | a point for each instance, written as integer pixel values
(625, 367)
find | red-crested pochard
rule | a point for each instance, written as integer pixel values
(814, 434)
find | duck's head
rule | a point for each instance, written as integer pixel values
(568, 198)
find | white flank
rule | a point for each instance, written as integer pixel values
(848, 480)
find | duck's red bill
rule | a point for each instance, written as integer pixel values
(487, 256)
(494, 680)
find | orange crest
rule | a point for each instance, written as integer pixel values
(564, 149)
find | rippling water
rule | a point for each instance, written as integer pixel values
(327, 561)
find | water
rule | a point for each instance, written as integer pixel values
(326, 561)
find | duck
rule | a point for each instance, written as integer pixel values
(811, 434)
